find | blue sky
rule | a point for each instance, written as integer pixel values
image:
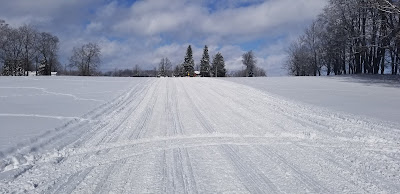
(143, 31)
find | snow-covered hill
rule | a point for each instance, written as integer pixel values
(199, 135)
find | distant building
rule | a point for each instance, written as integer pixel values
(196, 73)
(33, 73)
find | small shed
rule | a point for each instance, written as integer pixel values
(197, 73)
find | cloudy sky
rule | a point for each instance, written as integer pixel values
(143, 31)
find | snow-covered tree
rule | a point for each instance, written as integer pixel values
(205, 63)
(218, 66)
(188, 63)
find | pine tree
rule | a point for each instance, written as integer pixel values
(13, 68)
(7, 68)
(44, 68)
(189, 62)
(218, 66)
(205, 63)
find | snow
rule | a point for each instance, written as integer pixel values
(368, 96)
(185, 135)
(32, 106)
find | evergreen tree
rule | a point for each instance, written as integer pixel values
(13, 68)
(44, 68)
(188, 64)
(218, 66)
(205, 63)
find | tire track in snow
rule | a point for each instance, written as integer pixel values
(302, 176)
(253, 180)
(200, 117)
(182, 167)
(52, 137)
(103, 152)
(60, 137)
(71, 182)
(116, 117)
(144, 119)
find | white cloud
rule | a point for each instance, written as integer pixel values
(155, 17)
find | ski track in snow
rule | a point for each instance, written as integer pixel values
(45, 91)
(180, 135)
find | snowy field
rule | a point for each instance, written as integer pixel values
(195, 135)
(366, 96)
(30, 106)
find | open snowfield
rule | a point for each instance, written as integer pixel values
(30, 106)
(195, 135)
(367, 96)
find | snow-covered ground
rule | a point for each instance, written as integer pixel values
(200, 135)
(368, 96)
(31, 106)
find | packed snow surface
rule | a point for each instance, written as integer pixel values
(191, 135)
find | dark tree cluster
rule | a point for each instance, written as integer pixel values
(349, 37)
(206, 69)
(216, 67)
(26, 49)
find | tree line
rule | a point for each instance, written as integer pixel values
(349, 37)
(25, 49)
(207, 68)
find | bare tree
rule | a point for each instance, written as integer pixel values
(12, 52)
(48, 49)
(21, 47)
(311, 41)
(260, 72)
(137, 71)
(164, 68)
(298, 63)
(249, 61)
(86, 58)
(178, 70)
(353, 36)
(29, 41)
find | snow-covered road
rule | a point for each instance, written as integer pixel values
(194, 135)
